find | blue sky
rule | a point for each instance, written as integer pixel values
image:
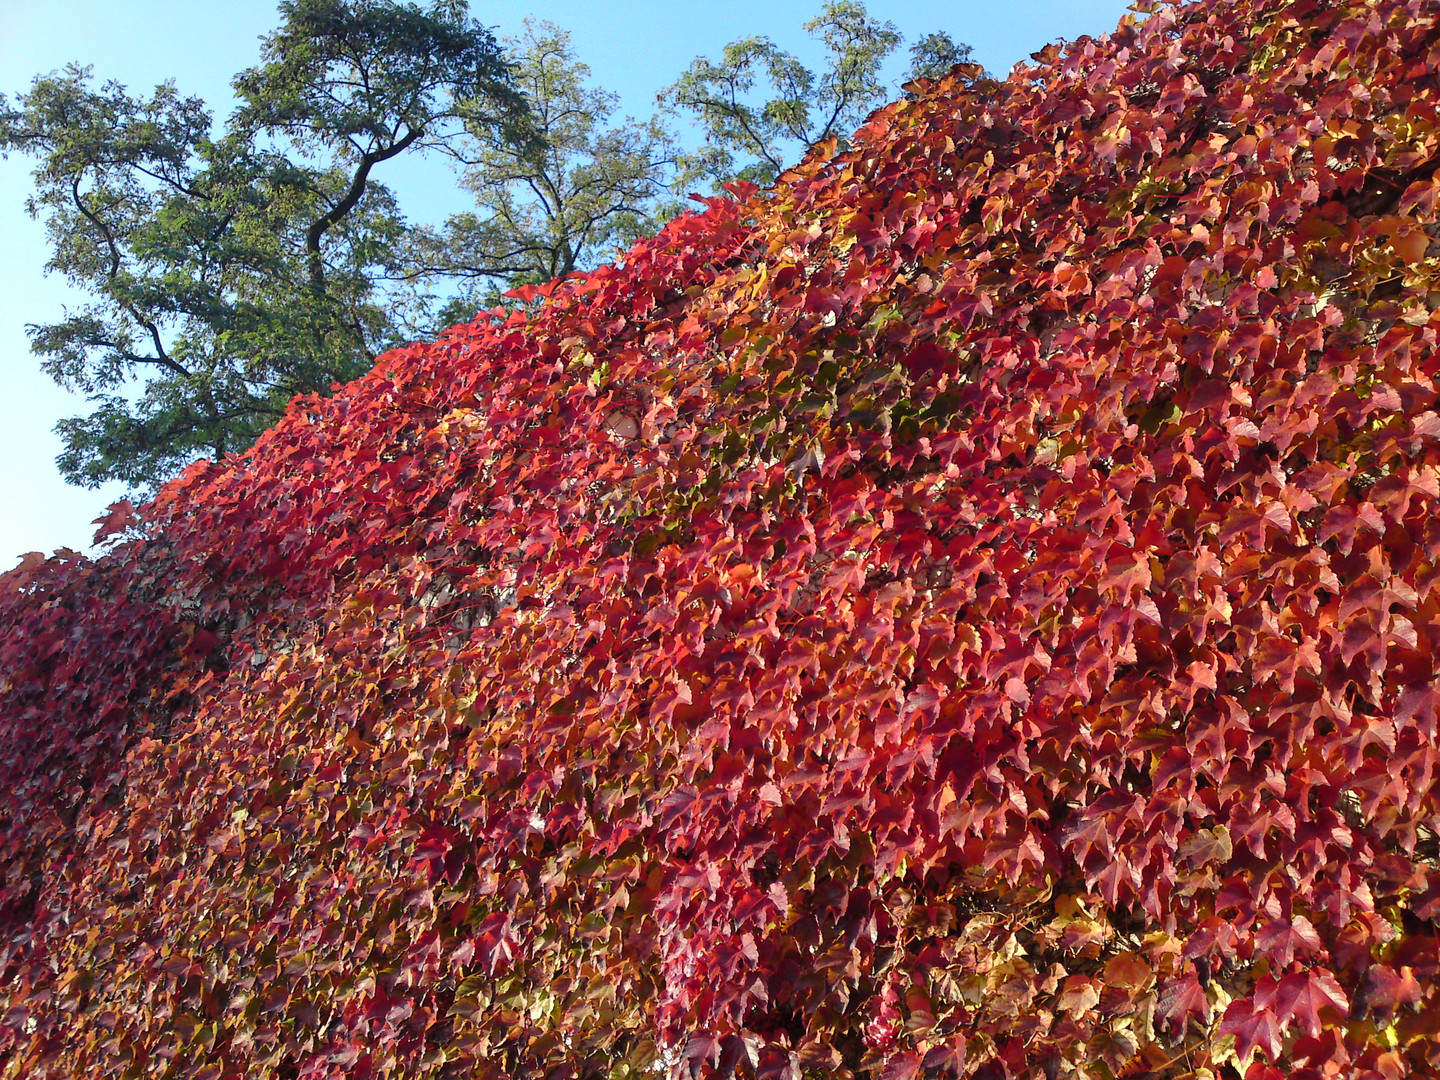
(634, 47)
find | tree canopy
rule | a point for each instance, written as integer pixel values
(231, 271)
(755, 140)
(569, 194)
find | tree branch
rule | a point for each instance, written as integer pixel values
(336, 214)
(162, 357)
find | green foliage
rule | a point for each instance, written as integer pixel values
(569, 192)
(230, 272)
(934, 55)
(754, 139)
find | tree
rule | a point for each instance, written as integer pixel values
(230, 273)
(755, 140)
(935, 55)
(572, 193)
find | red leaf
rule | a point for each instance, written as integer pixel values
(201, 644)
(120, 516)
(1252, 1028)
(1180, 1000)
(902, 1066)
(17, 577)
(1207, 846)
(1113, 878)
(1420, 194)
(1284, 938)
(1420, 705)
(1079, 995)
(1411, 246)
(676, 803)
(1387, 989)
(703, 1047)
(949, 1056)
(1302, 995)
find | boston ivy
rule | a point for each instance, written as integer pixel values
(969, 611)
